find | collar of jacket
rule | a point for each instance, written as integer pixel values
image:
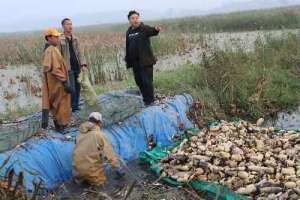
(87, 127)
(141, 26)
(63, 37)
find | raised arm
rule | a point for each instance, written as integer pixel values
(152, 31)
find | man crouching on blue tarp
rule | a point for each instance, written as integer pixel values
(91, 150)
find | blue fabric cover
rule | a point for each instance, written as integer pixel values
(49, 159)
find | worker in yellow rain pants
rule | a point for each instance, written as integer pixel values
(56, 88)
(91, 150)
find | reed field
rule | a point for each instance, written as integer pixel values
(104, 44)
(230, 81)
(235, 82)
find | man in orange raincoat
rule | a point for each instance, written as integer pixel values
(56, 88)
(91, 150)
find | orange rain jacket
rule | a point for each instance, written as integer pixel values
(91, 150)
(55, 99)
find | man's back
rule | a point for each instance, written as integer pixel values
(90, 151)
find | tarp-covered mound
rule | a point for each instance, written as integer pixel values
(115, 106)
(49, 160)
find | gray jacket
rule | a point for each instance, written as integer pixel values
(64, 49)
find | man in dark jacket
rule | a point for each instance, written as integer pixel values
(74, 58)
(139, 54)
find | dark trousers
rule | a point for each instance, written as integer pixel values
(75, 96)
(143, 77)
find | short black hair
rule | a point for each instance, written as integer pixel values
(64, 20)
(133, 12)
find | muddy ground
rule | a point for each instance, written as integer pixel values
(145, 185)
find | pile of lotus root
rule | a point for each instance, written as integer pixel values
(249, 159)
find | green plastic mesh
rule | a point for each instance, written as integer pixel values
(114, 106)
(13, 134)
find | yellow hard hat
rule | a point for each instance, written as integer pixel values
(52, 32)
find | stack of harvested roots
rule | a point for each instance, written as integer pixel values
(247, 158)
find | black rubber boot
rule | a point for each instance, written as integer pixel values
(59, 128)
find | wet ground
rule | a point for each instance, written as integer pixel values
(139, 183)
(289, 120)
(19, 87)
(244, 40)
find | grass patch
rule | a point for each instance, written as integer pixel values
(11, 114)
(238, 82)
(105, 44)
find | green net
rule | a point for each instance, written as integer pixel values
(114, 106)
(12, 134)
(207, 189)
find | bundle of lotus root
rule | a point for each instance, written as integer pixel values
(249, 159)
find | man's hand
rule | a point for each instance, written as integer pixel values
(158, 28)
(120, 173)
(83, 68)
(67, 87)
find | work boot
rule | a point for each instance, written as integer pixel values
(59, 128)
(149, 104)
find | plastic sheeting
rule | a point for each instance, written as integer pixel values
(49, 159)
(114, 106)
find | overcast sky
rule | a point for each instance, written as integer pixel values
(18, 15)
(24, 12)
(10, 8)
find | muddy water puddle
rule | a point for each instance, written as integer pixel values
(19, 87)
(287, 120)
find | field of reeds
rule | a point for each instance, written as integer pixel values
(104, 45)
(270, 19)
(235, 82)
(230, 80)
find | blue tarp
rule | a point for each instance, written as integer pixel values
(49, 159)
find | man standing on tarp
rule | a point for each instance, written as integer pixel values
(74, 58)
(56, 88)
(91, 150)
(139, 55)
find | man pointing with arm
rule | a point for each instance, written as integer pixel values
(139, 54)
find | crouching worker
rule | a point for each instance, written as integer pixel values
(56, 89)
(90, 152)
